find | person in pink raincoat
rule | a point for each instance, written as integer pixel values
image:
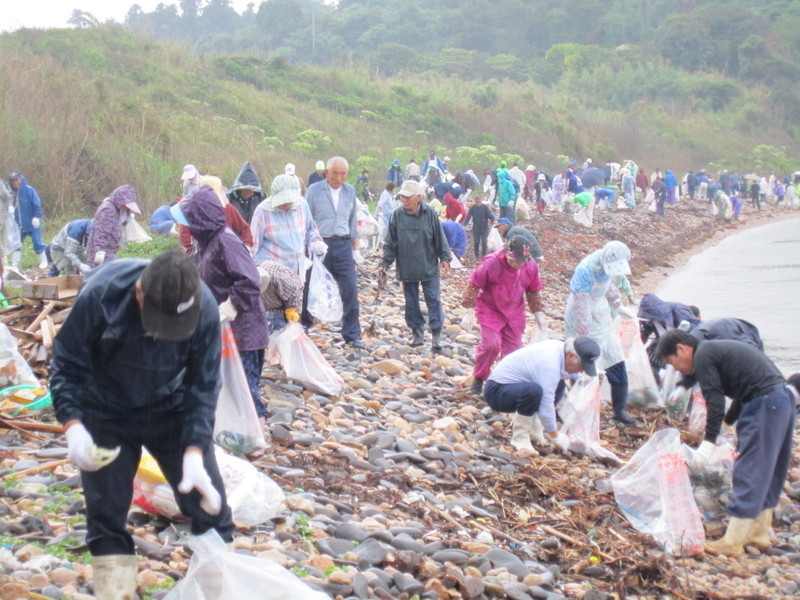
(497, 293)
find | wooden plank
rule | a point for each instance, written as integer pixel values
(21, 334)
(48, 308)
(47, 334)
(52, 288)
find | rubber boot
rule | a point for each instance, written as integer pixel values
(537, 431)
(436, 339)
(619, 400)
(15, 258)
(521, 435)
(477, 386)
(115, 576)
(419, 337)
(736, 536)
(761, 531)
(42, 260)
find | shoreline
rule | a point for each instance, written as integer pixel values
(651, 278)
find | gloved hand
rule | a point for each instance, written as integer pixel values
(627, 312)
(541, 323)
(35, 222)
(80, 444)
(291, 314)
(676, 396)
(468, 320)
(703, 455)
(562, 441)
(227, 311)
(99, 257)
(196, 477)
(318, 248)
(358, 258)
(11, 209)
(84, 268)
(537, 431)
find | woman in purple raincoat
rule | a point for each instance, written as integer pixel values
(228, 270)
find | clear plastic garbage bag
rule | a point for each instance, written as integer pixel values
(324, 301)
(654, 493)
(14, 370)
(580, 415)
(253, 497)
(302, 360)
(495, 241)
(642, 386)
(12, 239)
(216, 573)
(236, 426)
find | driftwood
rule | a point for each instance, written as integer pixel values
(34, 470)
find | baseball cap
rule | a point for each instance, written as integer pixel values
(520, 248)
(189, 172)
(171, 297)
(320, 166)
(15, 175)
(289, 169)
(588, 351)
(503, 163)
(502, 221)
(395, 163)
(411, 188)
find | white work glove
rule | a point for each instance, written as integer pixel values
(318, 248)
(562, 441)
(537, 431)
(358, 258)
(35, 222)
(227, 311)
(196, 477)
(84, 268)
(676, 396)
(468, 320)
(83, 451)
(703, 455)
(627, 312)
(541, 323)
(99, 257)
(11, 209)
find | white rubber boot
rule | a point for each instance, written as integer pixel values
(115, 576)
(521, 435)
(537, 431)
(761, 531)
(736, 536)
(42, 260)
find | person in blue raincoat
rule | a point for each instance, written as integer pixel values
(592, 306)
(28, 215)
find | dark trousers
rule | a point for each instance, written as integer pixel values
(253, 363)
(764, 429)
(507, 212)
(433, 300)
(523, 398)
(109, 491)
(479, 243)
(339, 261)
(618, 380)
(756, 202)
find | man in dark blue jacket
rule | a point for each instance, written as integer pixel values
(135, 364)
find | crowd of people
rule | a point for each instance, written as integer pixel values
(136, 362)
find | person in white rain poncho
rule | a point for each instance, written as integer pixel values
(593, 303)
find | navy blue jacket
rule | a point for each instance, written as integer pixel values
(105, 363)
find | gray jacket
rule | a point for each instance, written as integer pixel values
(417, 242)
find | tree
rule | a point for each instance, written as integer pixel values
(83, 20)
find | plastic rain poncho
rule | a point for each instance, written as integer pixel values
(593, 298)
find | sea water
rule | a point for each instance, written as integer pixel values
(753, 275)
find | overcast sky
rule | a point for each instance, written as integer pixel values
(15, 14)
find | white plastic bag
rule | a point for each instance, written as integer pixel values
(216, 573)
(581, 417)
(654, 494)
(455, 263)
(14, 370)
(236, 426)
(642, 387)
(133, 232)
(324, 301)
(699, 412)
(495, 241)
(253, 497)
(302, 360)
(522, 210)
